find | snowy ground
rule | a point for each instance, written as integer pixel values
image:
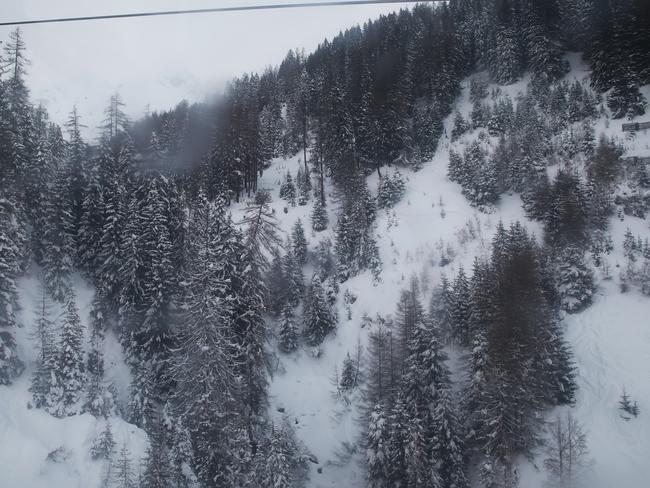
(611, 340)
(27, 436)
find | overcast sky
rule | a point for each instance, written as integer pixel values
(160, 60)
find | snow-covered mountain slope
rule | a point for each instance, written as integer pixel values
(611, 339)
(28, 436)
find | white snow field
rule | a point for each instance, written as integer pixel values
(610, 339)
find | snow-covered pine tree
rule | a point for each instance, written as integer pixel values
(460, 310)
(44, 385)
(104, 445)
(575, 280)
(391, 190)
(277, 283)
(157, 471)
(299, 242)
(71, 367)
(304, 186)
(460, 126)
(448, 442)
(204, 361)
(278, 461)
(123, 475)
(295, 281)
(377, 457)
(288, 189)
(349, 374)
(58, 243)
(319, 218)
(93, 214)
(288, 335)
(99, 399)
(319, 320)
(110, 253)
(439, 308)
(11, 242)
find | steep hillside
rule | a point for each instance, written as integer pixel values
(610, 339)
(433, 231)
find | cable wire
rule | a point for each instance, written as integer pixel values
(209, 10)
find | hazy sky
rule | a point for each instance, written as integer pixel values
(160, 60)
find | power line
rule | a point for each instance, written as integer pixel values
(209, 10)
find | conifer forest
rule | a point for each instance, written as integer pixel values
(417, 256)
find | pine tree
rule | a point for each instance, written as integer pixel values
(204, 362)
(460, 126)
(299, 242)
(304, 186)
(157, 467)
(288, 189)
(278, 461)
(349, 374)
(71, 367)
(459, 313)
(123, 475)
(626, 405)
(378, 460)
(10, 244)
(288, 331)
(44, 385)
(318, 318)
(104, 445)
(292, 270)
(391, 190)
(99, 399)
(319, 218)
(575, 280)
(92, 216)
(448, 444)
(58, 244)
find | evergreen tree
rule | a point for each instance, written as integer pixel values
(288, 331)
(448, 444)
(157, 467)
(99, 399)
(575, 280)
(292, 270)
(205, 359)
(319, 218)
(459, 313)
(44, 385)
(299, 242)
(279, 464)
(71, 367)
(288, 189)
(10, 244)
(318, 318)
(123, 474)
(349, 374)
(58, 244)
(460, 126)
(104, 445)
(378, 460)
